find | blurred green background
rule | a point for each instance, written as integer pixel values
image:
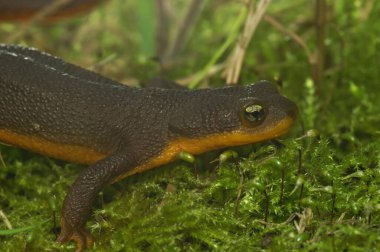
(320, 191)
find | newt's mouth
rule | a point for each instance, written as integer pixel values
(212, 142)
(242, 137)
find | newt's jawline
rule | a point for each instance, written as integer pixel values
(209, 143)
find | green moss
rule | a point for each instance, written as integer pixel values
(319, 192)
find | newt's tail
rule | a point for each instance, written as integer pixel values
(50, 10)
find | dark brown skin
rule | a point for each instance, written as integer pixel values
(64, 111)
(23, 10)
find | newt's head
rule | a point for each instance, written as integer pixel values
(263, 113)
(232, 116)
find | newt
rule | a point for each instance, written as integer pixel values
(63, 111)
(23, 10)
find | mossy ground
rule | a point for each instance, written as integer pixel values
(318, 192)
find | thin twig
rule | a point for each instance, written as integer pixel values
(300, 197)
(238, 197)
(186, 26)
(236, 60)
(299, 165)
(320, 25)
(266, 205)
(297, 39)
(162, 31)
(316, 59)
(333, 199)
(5, 219)
(210, 72)
(299, 171)
(2, 161)
(97, 65)
(232, 36)
(55, 224)
(282, 185)
(366, 10)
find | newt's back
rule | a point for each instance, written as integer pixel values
(56, 103)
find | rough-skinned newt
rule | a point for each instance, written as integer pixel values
(22, 10)
(60, 110)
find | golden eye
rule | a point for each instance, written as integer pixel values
(253, 114)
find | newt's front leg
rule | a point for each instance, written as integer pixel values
(77, 204)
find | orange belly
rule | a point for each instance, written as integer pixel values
(70, 153)
(207, 143)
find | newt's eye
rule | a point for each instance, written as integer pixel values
(252, 115)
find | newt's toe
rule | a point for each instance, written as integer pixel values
(82, 238)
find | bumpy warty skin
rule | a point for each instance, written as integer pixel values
(215, 111)
(65, 109)
(53, 107)
(63, 105)
(46, 97)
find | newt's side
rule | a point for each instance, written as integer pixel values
(64, 111)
